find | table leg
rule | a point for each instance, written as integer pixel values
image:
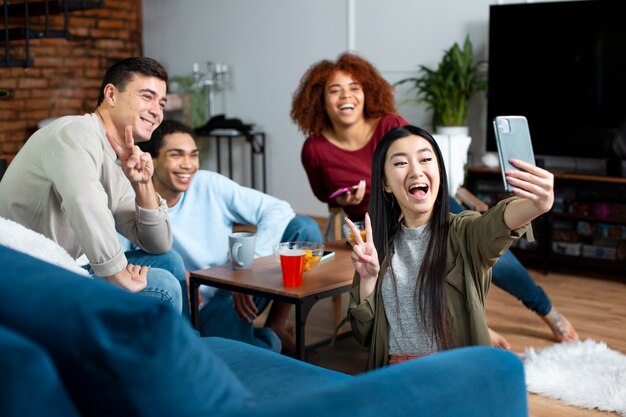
(219, 154)
(302, 312)
(230, 158)
(194, 286)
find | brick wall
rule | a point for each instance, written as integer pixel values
(66, 74)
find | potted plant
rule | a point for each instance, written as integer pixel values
(448, 88)
(193, 100)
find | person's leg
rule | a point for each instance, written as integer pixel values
(219, 318)
(166, 277)
(455, 206)
(510, 275)
(300, 228)
(163, 286)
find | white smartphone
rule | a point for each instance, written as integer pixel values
(513, 140)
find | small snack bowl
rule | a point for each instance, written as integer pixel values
(347, 232)
(312, 252)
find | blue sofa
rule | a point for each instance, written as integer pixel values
(75, 346)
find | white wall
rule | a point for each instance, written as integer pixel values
(270, 43)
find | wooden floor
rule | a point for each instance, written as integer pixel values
(596, 307)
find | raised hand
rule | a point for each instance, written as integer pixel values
(137, 165)
(365, 257)
(533, 183)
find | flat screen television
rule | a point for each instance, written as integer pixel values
(563, 66)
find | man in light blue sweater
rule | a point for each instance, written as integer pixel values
(203, 206)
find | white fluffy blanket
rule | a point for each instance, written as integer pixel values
(19, 238)
(586, 374)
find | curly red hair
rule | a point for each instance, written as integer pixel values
(307, 108)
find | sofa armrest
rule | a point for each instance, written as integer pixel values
(469, 382)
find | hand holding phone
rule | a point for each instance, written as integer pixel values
(344, 190)
(513, 140)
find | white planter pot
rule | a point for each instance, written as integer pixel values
(454, 150)
(452, 130)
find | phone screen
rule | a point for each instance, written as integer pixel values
(513, 140)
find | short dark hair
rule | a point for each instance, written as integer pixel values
(120, 73)
(167, 127)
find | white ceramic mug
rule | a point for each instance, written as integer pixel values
(241, 247)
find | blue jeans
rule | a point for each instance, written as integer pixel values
(219, 318)
(510, 275)
(163, 276)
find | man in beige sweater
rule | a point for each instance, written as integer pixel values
(66, 183)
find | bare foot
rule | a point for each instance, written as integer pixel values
(561, 328)
(287, 336)
(277, 321)
(497, 340)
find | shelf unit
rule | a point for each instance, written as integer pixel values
(586, 228)
(256, 144)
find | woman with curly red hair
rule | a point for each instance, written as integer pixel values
(344, 127)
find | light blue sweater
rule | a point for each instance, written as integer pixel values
(204, 216)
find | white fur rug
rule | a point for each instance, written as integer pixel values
(586, 374)
(19, 238)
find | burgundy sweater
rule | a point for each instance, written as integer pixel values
(330, 167)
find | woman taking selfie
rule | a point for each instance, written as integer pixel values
(423, 272)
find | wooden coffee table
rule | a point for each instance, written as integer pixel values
(330, 277)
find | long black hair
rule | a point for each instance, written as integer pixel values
(385, 214)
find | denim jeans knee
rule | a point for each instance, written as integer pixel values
(165, 287)
(218, 318)
(302, 228)
(169, 261)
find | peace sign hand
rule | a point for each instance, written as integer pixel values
(137, 165)
(364, 254)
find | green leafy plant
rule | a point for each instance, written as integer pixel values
(195, 102)
(448, 88)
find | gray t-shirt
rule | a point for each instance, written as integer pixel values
(407, 334)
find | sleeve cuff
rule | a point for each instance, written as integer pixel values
(154, 216)
(363, 311)
(503, 230)
(110, 267)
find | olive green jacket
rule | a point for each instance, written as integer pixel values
(475, 242)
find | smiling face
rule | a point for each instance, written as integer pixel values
(175, 166)
(412, 175)
(139, 105)
(344, 99)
